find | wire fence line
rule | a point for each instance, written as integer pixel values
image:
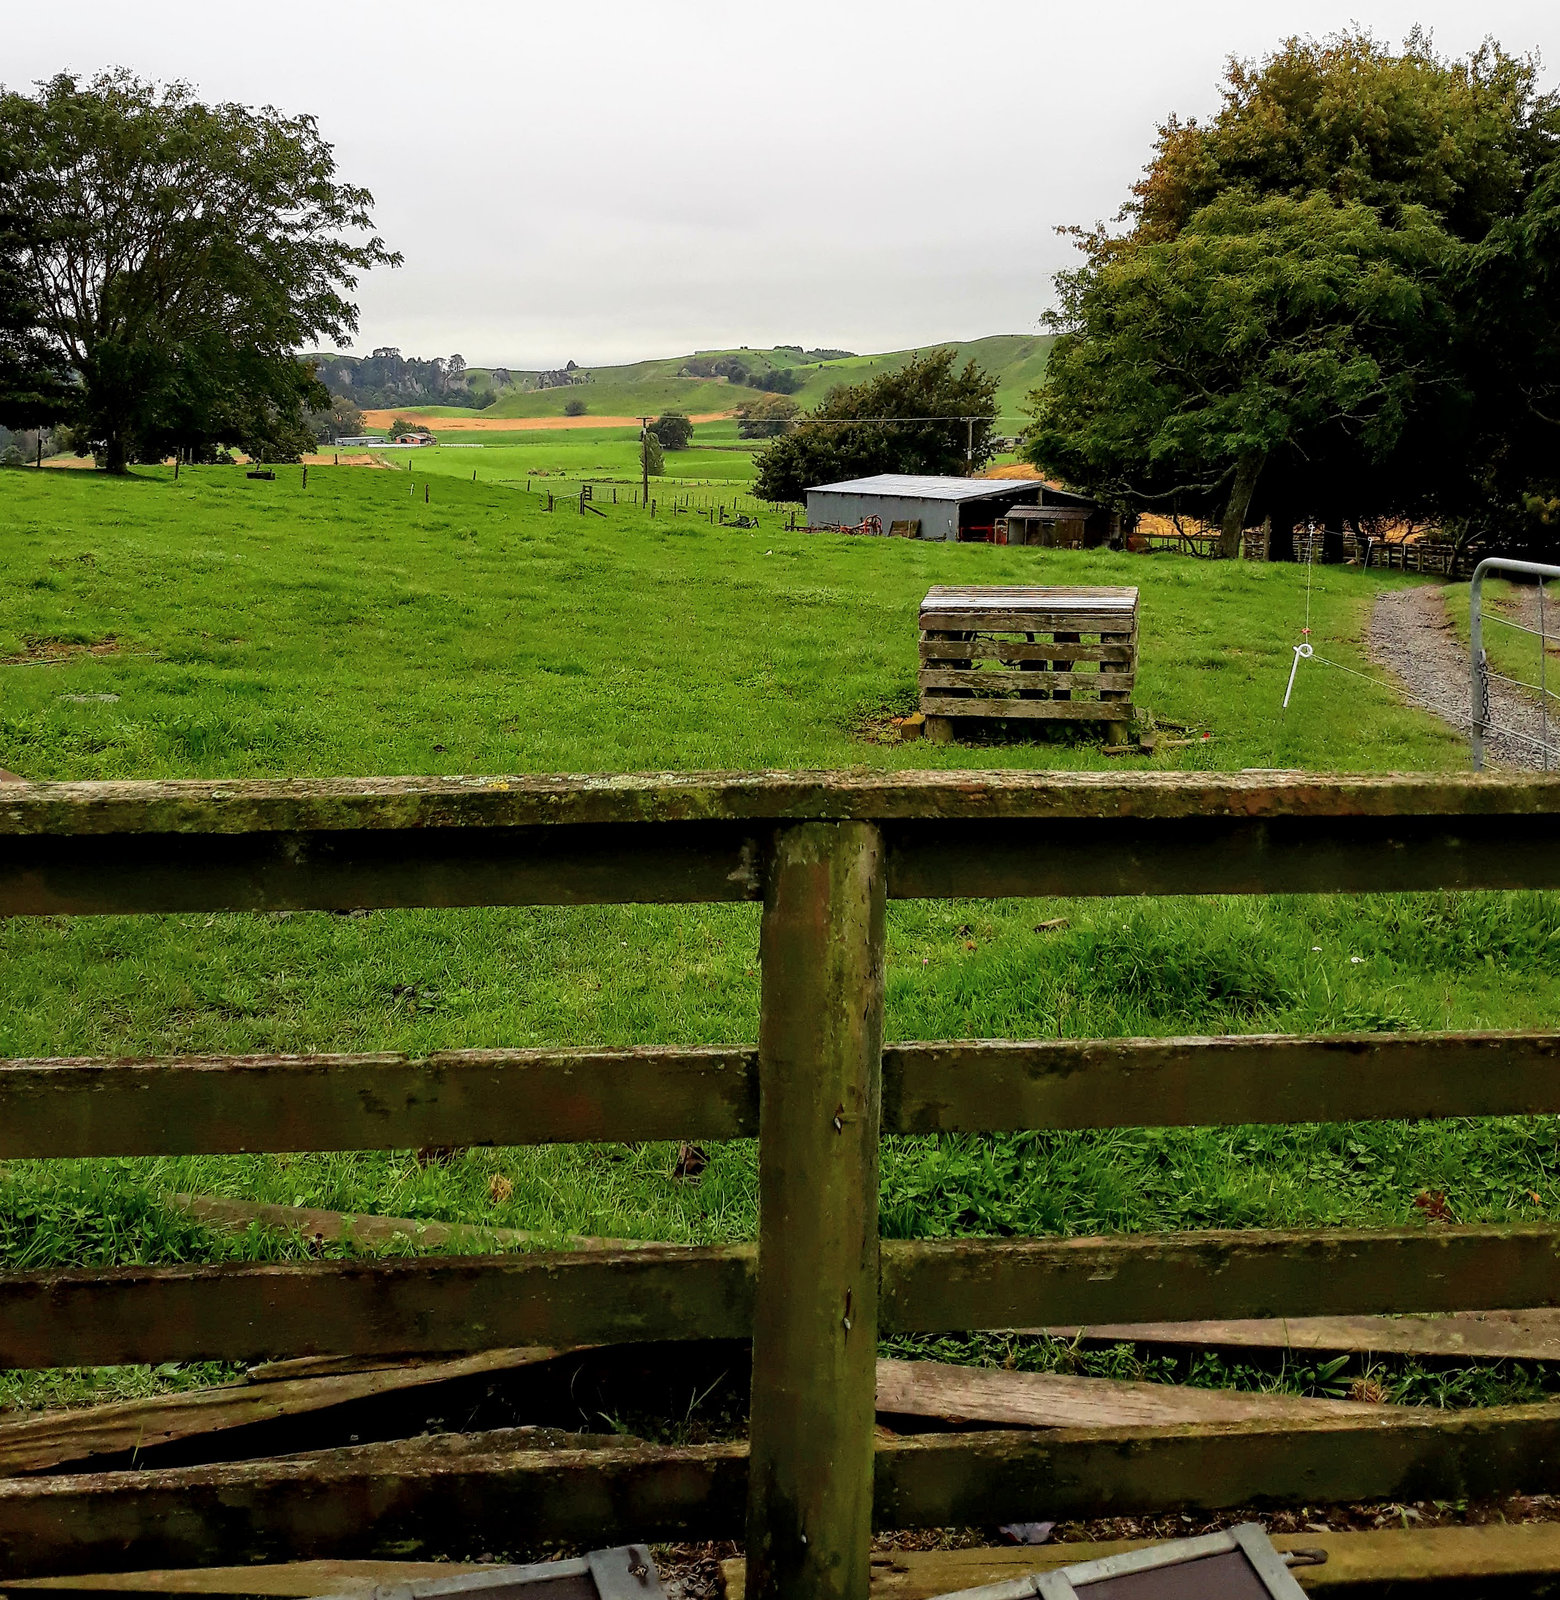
(1484, 717)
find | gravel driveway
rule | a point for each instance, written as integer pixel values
(1411, 637)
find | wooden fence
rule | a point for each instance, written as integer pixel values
(1439, 557)
(822, 854)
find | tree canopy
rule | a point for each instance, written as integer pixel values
(767, 418)
(1276, 332)
(922, 417)
(1348, 117)
(673, 430)
(1327, 302)
(178, 254)
(35, 386)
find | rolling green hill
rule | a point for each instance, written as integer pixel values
(1018, 360)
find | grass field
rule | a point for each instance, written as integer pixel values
(220, 626)
(1016, 360)
(717, 459)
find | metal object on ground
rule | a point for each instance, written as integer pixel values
(1238, 1564)
(624, 1573)
(1479, 711)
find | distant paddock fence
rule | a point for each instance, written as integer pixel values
(1440, 558)
(821, 854)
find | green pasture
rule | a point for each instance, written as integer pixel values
(562, 458)
(1017, 361)
(222, 626)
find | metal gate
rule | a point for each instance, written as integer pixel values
(1481, 718)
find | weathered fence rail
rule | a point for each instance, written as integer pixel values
(823, 854)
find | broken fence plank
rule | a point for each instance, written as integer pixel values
(425, 1449)
(1492, 1335)
(367, 1229)
(54, 1438)
(904, 1388)
(1058, 1400)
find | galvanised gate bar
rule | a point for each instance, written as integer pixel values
(822, 853)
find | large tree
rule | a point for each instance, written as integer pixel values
(1350, 117)
(1513, 309)
(35, 386)
(180, 254)
(1355, 216)
(921, 417)
(1265, 337)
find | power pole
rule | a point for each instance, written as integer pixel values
(969, 447)
(644, 461)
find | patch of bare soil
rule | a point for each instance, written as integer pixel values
(38, 652)
(351, 458)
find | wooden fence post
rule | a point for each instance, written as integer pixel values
(815, 1324)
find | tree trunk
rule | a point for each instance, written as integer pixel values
(115, 457)
(1247, 470)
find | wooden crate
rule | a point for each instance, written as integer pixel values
(1057, 654)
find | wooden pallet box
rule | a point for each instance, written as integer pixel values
(1045, 653)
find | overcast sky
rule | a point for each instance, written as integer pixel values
(605, 181)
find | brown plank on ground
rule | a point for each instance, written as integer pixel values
(291, 1578)
(373, 1230)
(1057, 1400)
(1501, 1335)
(53, 1438)
(1497, 1551)
(1494, 1551)
(426, 1448)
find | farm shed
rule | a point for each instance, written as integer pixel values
(1061, 519)
(941, 508)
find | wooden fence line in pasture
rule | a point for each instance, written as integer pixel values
(822, 854)
(1437, 557)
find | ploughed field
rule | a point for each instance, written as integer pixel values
(219, 626)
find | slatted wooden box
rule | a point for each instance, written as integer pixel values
(1058, 654)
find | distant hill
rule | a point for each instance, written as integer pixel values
(707, 380)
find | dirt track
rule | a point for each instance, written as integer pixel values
(381, 419)
(1411, 637)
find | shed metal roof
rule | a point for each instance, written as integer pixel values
(908, 486)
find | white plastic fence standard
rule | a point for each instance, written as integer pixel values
(1480, 718)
